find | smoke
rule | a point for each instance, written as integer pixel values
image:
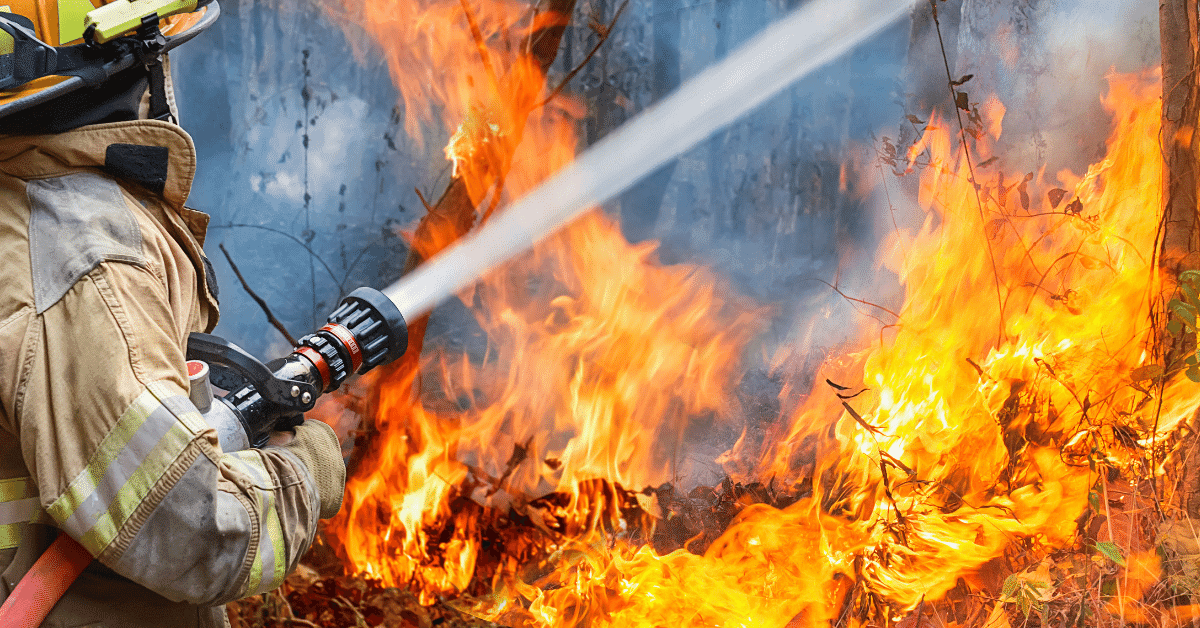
(786, 203)
(1047, 62)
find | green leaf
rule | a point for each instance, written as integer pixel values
(1190, 293)
(1094, 501)
(1190, 276)
(1193, 373)
(1110, 549)
(1185, 312)
(1010, 586)
(1174, 327)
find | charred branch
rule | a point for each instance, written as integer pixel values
(604, 32)
(454, 213)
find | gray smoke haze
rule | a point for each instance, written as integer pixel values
(1045, 61)
(309, 175)
(759, 201)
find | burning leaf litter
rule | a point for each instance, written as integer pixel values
(976, 478)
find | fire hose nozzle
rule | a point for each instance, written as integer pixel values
(365, 331)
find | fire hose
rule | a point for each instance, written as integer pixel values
(366, 330)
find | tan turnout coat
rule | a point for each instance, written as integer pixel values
(102, 278)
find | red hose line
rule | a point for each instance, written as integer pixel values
(45, 583)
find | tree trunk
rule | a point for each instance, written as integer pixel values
(1178, 227)
(1181, 111)
(641, 204)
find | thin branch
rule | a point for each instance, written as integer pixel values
(592, 53)
(428, 207)
(856, 300)
(275, 322)
(962, 129)
(303, 245)
(481, 46)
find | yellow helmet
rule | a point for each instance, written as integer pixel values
(49, 48)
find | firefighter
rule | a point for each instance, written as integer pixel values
(102, 278)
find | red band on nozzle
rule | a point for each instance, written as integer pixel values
(318, 361)
(348, 341)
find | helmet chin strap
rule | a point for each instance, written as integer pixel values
(147, 110)
(160, 103)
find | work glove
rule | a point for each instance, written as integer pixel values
(316, 445)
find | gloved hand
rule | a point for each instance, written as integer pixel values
(316, 445)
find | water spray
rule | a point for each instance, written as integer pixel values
(808, 38)
(368, 328)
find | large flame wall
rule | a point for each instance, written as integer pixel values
(1005, 381)
(1016, 368)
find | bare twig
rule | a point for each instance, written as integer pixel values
(604, 35)
(275, 322)
(428, 207)
(481, 45)
(340, 282)
(341, 599)
(971, 168)
(857, 300)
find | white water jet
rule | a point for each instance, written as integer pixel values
(808, 38)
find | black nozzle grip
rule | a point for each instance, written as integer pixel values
(376, 323)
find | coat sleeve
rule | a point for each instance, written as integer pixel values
(125, 464)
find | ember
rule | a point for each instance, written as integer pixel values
(958, 462)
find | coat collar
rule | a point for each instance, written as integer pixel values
(43, 156)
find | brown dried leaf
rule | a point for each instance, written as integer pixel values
(1143, 373)
(861, 421)
(998, 618)
(852, 395)
(1181, 553)
(1055, 197)
(915, 619)
(960, 101)
(993, 228)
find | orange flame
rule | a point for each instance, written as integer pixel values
(1011, 373)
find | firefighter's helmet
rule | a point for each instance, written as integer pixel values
(51, 48)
